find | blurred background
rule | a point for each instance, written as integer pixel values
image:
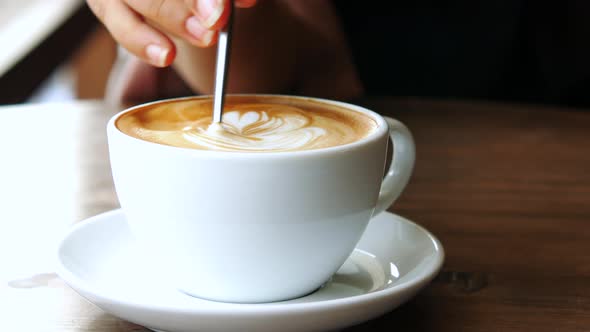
(505, 50)
(52, 51)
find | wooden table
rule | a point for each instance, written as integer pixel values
(505, 188)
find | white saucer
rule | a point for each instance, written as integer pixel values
(394, 259)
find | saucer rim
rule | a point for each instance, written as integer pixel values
(278, 307)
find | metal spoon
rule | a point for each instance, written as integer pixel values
(222, 67)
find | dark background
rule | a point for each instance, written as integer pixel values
(504, 50)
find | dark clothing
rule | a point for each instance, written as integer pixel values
(509, 50)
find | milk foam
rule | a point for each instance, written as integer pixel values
(246, 127)
(257, 131)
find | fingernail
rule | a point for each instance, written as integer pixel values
(194, 27)
(208, 38)
(157, 54)
(210, 11)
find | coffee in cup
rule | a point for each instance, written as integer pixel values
(249, 124)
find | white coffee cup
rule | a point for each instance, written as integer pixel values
(255, 227)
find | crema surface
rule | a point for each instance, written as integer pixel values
(249, 124)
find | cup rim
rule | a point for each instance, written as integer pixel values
(381, 130)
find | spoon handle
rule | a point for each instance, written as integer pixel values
(222, 67)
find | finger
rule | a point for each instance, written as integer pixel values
(245, 3)
(212, 14)
(174, 17)
(206, 37)
(133, 33)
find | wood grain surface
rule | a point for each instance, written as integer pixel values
(506, 188)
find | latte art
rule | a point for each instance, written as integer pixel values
(255, 126)
(265, 130)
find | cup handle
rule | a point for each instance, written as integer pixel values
(401, 167)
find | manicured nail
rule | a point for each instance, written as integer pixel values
(210, 11)
(157, 54)
(194, 27)
(208, 38)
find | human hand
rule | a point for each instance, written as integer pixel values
(146, 27)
